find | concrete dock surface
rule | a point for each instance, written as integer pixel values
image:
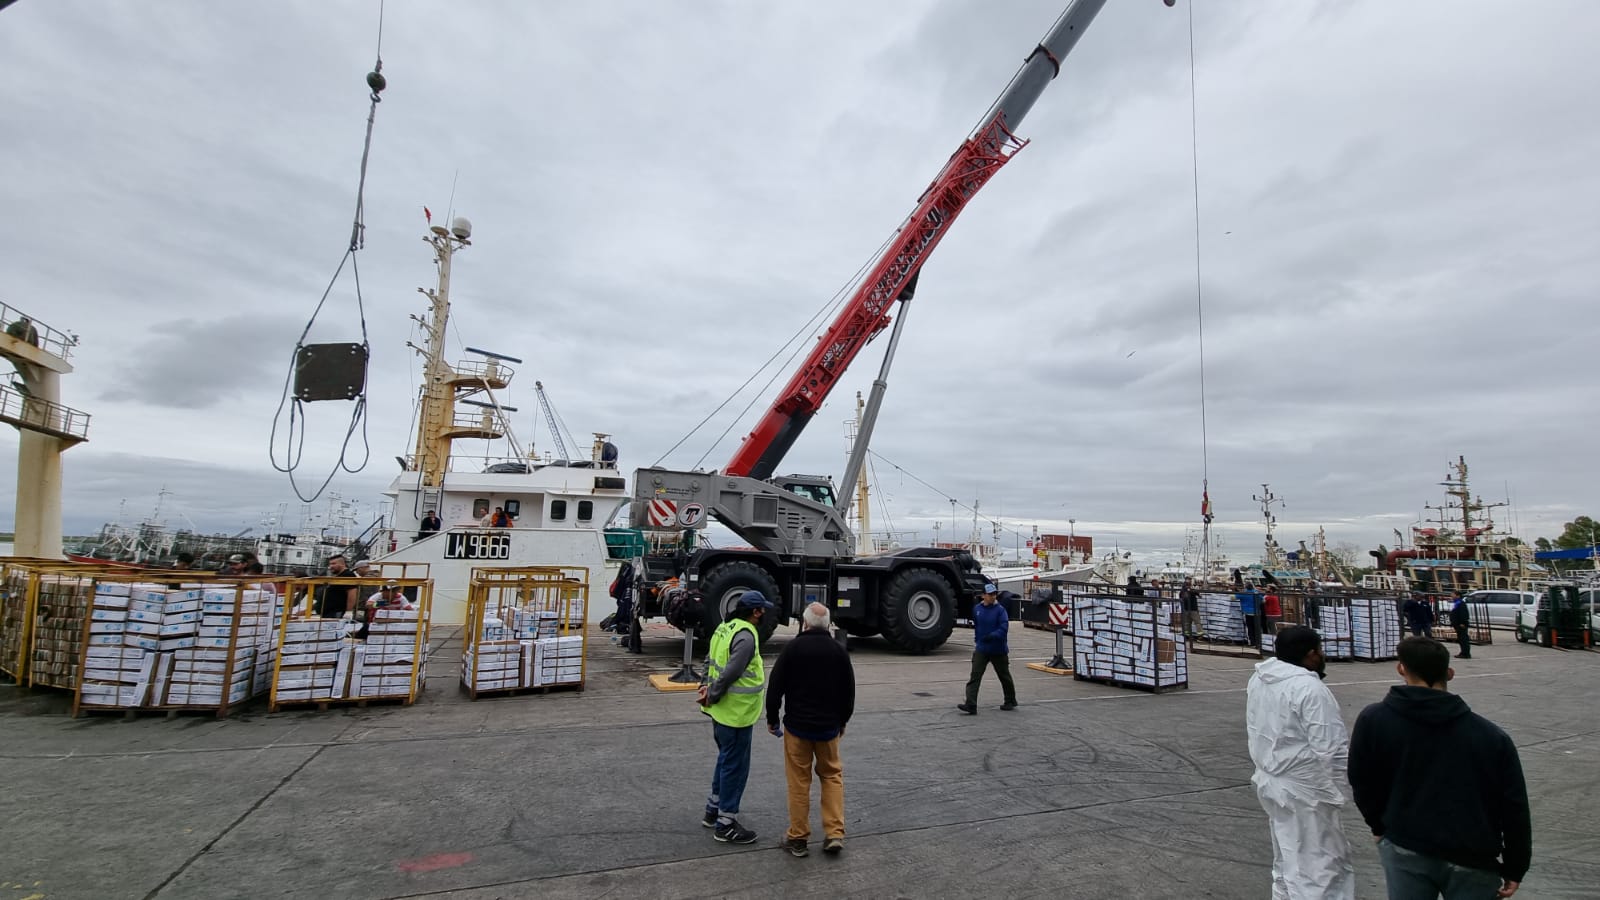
(1085, 791)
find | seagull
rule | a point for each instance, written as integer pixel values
(1130, 354)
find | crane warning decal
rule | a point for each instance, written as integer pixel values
(663, 513)
(693, 515)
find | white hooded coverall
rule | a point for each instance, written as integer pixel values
(1300, 747)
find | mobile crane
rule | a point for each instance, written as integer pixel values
(803, 550)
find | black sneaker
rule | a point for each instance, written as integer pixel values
(796, 847)
(832, 846)
(710, 819)
(734, 833)
(967, 708)
(1008, 707)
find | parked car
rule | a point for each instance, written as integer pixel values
(1503, 606)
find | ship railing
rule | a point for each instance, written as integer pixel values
(26, 328)
(490, 370)
(36, 414)
(464, 463)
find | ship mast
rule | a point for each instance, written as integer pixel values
(1274, 553)
(444, 384)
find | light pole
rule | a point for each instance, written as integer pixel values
(1072, 538)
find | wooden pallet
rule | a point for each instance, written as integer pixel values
(352, 702)
(1041, 667)
(1147, 688)
(576, 687)
(166, 712)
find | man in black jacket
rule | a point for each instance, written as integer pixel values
(815, 685)
(1440, 786)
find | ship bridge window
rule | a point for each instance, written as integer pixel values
(480, 507)
(585, 510)
(558, 510)
(513, 508)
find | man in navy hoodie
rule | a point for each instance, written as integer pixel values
(990, 625)
(1440, 786)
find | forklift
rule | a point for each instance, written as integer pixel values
(1561, 619)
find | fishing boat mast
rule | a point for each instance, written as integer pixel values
(444, 384)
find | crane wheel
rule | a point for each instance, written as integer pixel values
(723, 586)
(918, 610)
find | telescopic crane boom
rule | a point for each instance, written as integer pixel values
(894, 275)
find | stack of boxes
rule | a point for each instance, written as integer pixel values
(58, 630)
(390, 665)
(160, 647)
(13, 622)
(1333, 623)
(1129, 641)
(557, 660)
(1220, 619)
(308, 658)
(320, 662)
(495, 665)
(116, 673)
(1375, 627)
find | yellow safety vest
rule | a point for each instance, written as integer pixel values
(740, 707)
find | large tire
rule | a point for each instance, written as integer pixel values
(723, 586)
(1541, 636)
(918, 610)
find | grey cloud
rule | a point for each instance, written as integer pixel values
(196, 365)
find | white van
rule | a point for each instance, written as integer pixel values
(1503, 606)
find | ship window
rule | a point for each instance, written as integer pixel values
(558, 510)
(585, 510)
(513, 508)
(480, 507)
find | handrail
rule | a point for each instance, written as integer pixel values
(42, 415)
(26, 328)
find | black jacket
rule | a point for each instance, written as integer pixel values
(1459, 615)
(1440, 780)
(814, 684)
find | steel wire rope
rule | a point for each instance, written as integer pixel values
(1199, 304)
(972, 509)
(832, 304)
(294, 441)
(838, 298)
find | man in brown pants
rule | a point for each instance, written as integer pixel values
(814, 685)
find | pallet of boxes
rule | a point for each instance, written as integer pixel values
(378, 652)
(525, 630)
(1129, 642)
(203, 646)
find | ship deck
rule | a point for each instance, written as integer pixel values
(1086, 791)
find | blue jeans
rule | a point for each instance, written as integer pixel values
(733, 768)
(1412, 876)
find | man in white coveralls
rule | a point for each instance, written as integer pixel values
(1299, 746)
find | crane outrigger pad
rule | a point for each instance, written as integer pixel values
(330, 372)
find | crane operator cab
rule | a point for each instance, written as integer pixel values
(816, 488)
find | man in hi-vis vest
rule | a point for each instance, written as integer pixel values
(731, 696)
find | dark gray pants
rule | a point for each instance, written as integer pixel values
(1412, 876)
(1002, 668)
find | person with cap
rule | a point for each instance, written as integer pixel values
(1440, 786)
(990, 626)
(233, 566)
(1461, 621)
(389, 597)
(731, 696)
(1299, 746)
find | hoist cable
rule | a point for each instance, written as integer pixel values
(1199, 305)
(294, 441)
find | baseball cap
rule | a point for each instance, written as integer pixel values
(237, 557)
(390, 585)
(989, 588)
(754, 600)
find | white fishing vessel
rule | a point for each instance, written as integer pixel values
(555, 509)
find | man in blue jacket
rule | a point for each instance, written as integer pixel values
(990, 625)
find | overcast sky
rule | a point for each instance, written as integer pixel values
(1399, 221)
